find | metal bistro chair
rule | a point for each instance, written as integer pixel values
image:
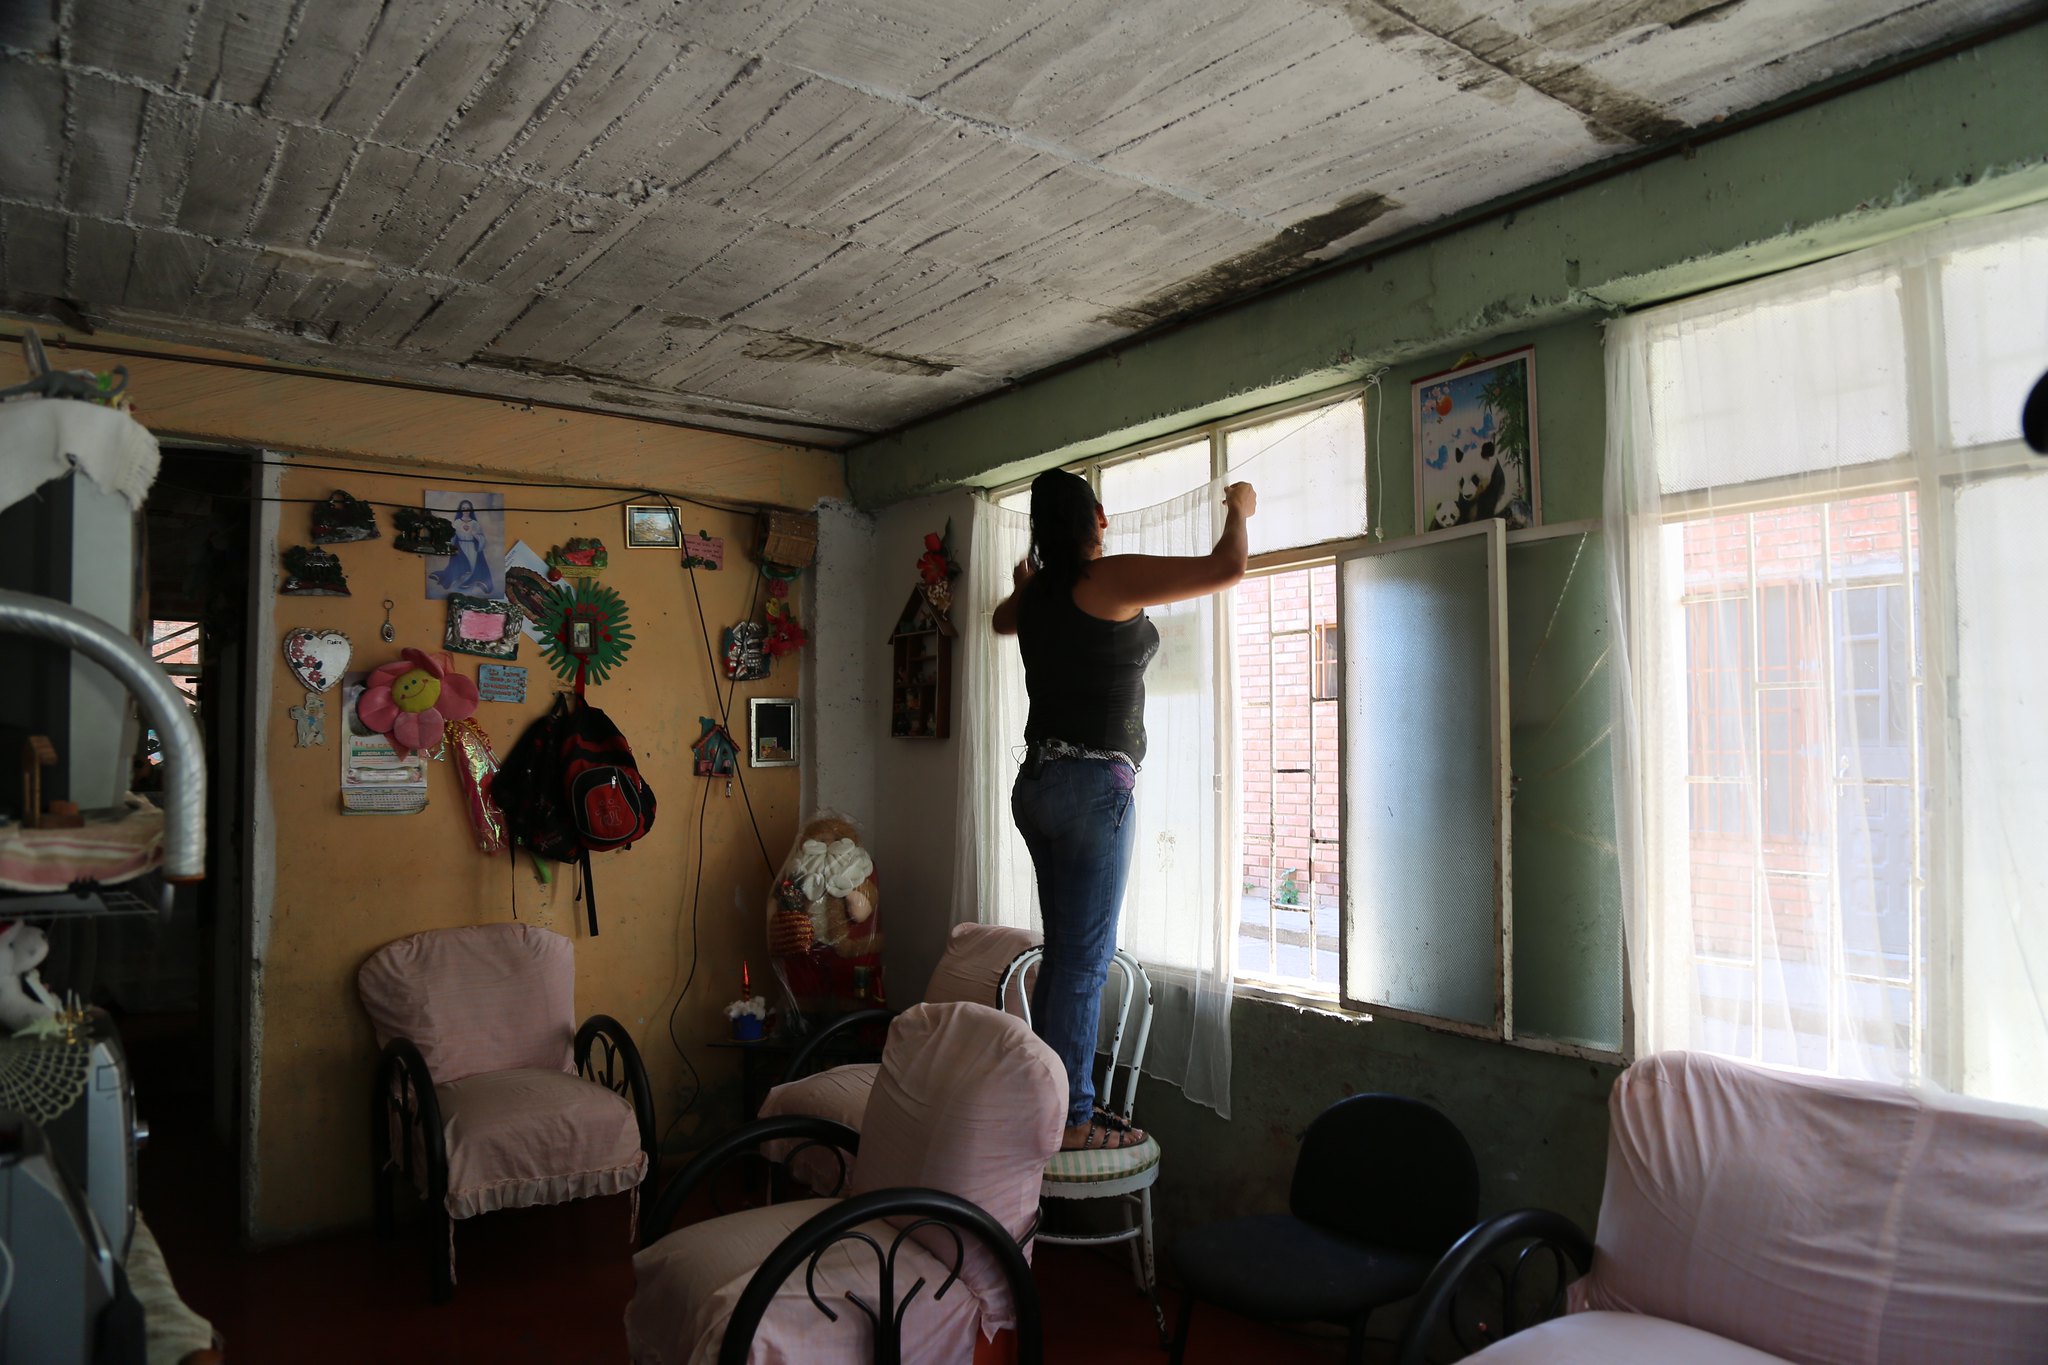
(1125, 1174)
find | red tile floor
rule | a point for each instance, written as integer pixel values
(535, 1285)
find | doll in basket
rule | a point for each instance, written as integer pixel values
(824, 926)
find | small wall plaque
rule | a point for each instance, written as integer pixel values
(500, 682)
(703, 552)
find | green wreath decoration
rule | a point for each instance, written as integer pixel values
(588, 603)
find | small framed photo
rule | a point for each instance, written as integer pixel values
(477, 626)
(771, 732)
(1475, 444)
(652, 526)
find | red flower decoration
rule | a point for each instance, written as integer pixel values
(412, 699)
(785, 636)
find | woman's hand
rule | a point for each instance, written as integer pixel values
(1242, 499)
(1021, 575)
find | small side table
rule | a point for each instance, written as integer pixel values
(764, 1061)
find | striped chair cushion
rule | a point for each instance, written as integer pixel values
(1100, 1165)
(485, 997)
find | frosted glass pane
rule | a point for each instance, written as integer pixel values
(1019, 501)
(1994, 313)
(1309, 468)
(1152, 479)
(1567, 881)
(1422, 795)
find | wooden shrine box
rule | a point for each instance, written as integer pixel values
(789, 539)
(921, 682)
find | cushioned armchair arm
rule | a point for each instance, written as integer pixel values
(799, 1065)
(617, 1067)
(800, 1127)
(920, 1207)
(1538, 1227)
(403, 1081)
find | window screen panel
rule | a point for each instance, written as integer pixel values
(1424, 638)
(1567, 879)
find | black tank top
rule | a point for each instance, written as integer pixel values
(1085, 675)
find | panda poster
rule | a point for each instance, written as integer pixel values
(1475, 444)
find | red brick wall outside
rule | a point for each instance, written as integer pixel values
(1288, 740)
(1863, 535)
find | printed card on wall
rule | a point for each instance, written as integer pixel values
(703, 552)
(479, 521)
(374, 779)
(500, 682)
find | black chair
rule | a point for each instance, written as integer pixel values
(1383, 1187)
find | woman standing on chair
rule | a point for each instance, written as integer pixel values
(1079, 618)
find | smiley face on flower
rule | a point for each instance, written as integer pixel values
(412, 700)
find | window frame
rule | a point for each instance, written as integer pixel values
(1501, 1027)
(1331, 552)
(1937, 1021)
(1217, 433)
(1296, 991)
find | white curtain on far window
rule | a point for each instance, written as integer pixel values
(1177, 918)
(1826, 547)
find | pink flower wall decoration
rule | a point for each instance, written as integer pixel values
(412, 700)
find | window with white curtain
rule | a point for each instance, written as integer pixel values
(1307, 461)
(1182, 906)
(1826, 535)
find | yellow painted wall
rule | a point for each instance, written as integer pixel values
(345, 885)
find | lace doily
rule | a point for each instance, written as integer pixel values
(43, 1077)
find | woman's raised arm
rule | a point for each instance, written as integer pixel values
(1121, 586)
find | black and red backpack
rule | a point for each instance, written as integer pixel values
(570, 788)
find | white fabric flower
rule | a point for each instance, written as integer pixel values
(834, 869)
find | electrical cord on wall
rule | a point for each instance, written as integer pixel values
(241, 458)
(696, 900)
(724, 703)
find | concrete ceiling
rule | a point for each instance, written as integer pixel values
(815, 220)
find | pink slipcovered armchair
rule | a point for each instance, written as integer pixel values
(971, 969)
(1754, 1216)
(487, 1096)
(927, 1250)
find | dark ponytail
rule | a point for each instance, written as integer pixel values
(1063, 528)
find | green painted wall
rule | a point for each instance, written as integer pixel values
(1537, 1122)
(1961, 136)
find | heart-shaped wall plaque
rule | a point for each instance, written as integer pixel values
(317, 658)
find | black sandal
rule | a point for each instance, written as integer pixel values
(1095, 1125)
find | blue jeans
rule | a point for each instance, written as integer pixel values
(1076, 818)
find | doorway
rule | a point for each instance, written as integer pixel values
(175, 984)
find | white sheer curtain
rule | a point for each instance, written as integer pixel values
(1177, 910)
(1826, 549)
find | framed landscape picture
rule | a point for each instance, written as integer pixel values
(1475, 444)
(652, 526)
